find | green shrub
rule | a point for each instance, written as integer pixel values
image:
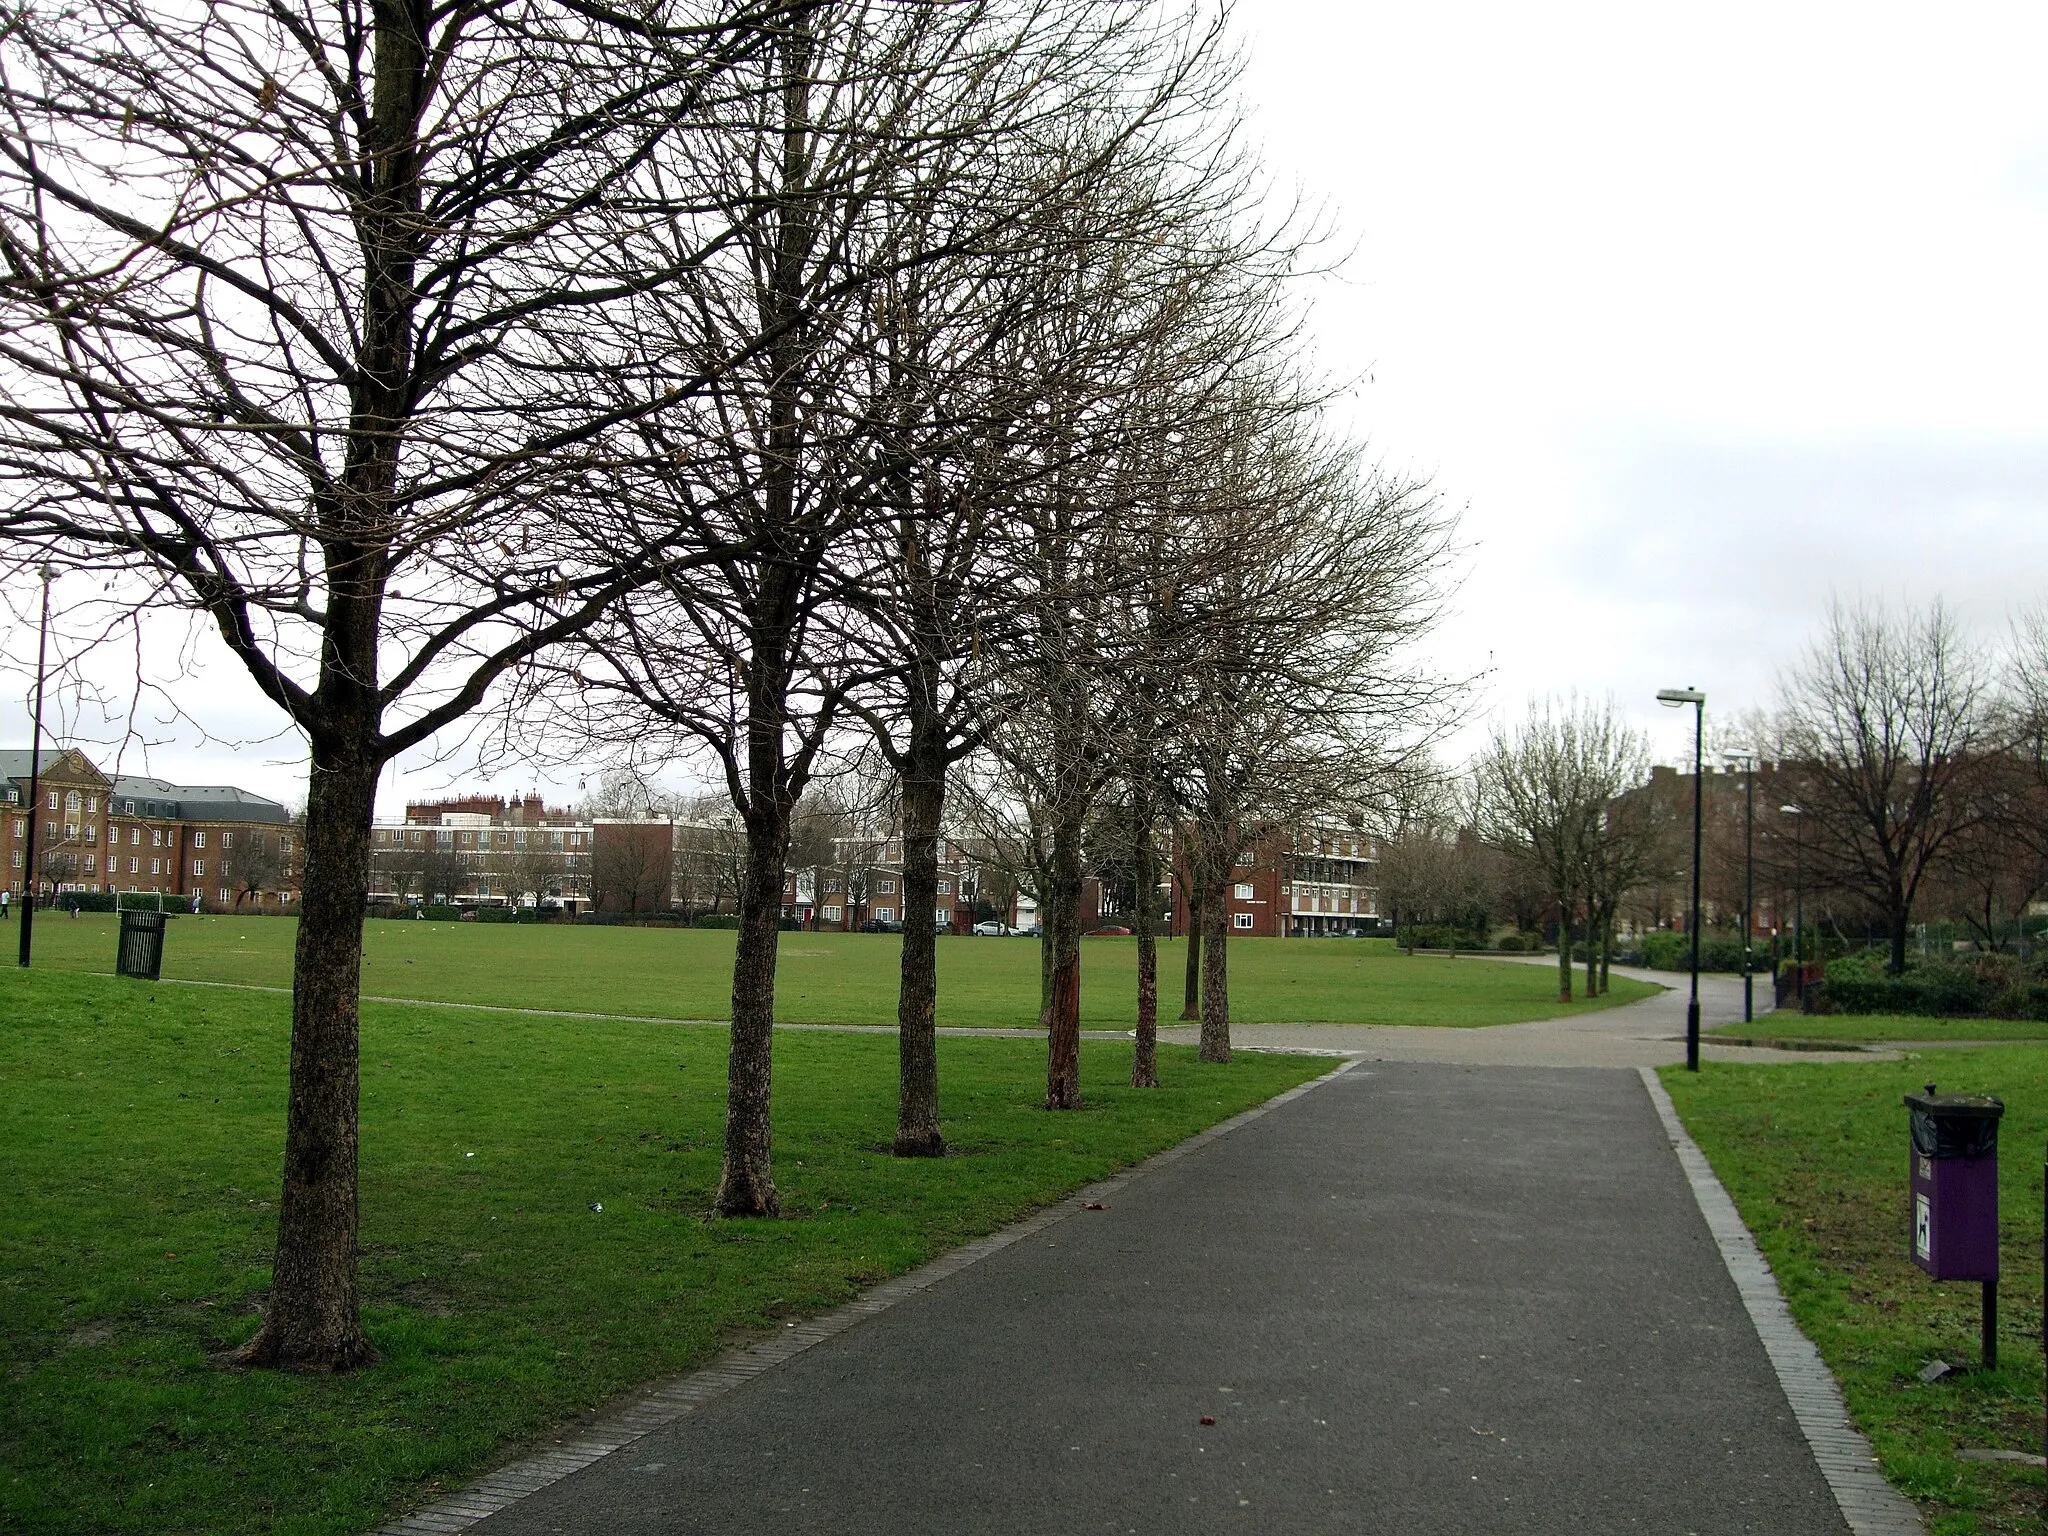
(1662, 949)
(717, 920)
(1511, 944)
(497, 914)
(1976, 986)
(1437, 936)
(97, 901)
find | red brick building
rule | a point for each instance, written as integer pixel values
(115, 836)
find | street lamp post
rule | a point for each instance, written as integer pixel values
(1798, 901)
(1748, 878)
(1674, 698)
(35, 770)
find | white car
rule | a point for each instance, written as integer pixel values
(991, 930)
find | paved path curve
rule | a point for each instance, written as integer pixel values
(1422, 1298)
(1649, 1033)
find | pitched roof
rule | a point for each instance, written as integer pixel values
(200, 802)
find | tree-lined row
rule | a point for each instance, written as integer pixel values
(763, 384)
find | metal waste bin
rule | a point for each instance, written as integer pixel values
(1955, 1193)
(142, 945)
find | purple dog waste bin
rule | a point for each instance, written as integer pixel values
(1955, 1194)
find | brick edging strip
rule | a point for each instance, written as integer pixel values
(1870, 1505)
(666, 1402)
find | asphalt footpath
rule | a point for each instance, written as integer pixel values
(1422, 1298)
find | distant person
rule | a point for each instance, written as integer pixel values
(195, 903)
(74, 908)
(6, 905)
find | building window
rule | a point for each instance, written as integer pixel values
(886, 887)
(156, 866)
(91, 864)
(885, 914)
(227, 839)
(945, 887)
(92, 833)
(1246, 859)
(156, 837)
(17, 858)
(224, 867)
(21, 826)
(225, 895)
(831, 914)
(54, 801)
(135, 837)
(199, 867)
(133, 866)
(1245, 891)
(71, 801)
(199, 839)
(1240, 919)
(92, 804)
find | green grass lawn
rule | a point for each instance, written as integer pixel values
(1815, 1158)
(1793, 1025)
(839, 978)
(140, 1137)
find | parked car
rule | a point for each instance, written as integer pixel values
(991, 930)
(876, 925)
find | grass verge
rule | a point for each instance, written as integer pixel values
(841, 978)
(1815, 1159)
(1792, 1025)
(140, 1135)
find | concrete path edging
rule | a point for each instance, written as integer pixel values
(1870, 1504)
(668, 1401)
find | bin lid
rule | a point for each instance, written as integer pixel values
(1956, 1106)
(1949, 1125)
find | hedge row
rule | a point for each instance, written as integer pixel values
(1988, 987)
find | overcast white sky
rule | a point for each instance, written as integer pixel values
(1698, 316)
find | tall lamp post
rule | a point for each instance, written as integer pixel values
(1748, 878)
(1798, 901)
(1674, 698)
(35, 769)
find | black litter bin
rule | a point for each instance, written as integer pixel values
(142, 945)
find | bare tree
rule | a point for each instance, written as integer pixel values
(1884, 720)
(298, 307)
(259, 864)
(1543, 796)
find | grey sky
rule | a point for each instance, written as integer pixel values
(1699, 314)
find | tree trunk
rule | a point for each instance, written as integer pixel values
(1564, 952)
(917, 1046)
(1592, 951)
(1606, 947)
(312, 1322)
(1063, 940)
(1191, 997)
(1145, 1054)
(1215, 1044)
(1899, 924)
(746, 1182)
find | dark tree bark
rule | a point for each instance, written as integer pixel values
(311, 1322)
(1215, 1044)
(1145, 869)
(1063, 949)
(746, 1183)
(924, 795)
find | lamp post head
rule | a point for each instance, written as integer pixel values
(47, 571)
(1789, 810)
(1673, 697)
